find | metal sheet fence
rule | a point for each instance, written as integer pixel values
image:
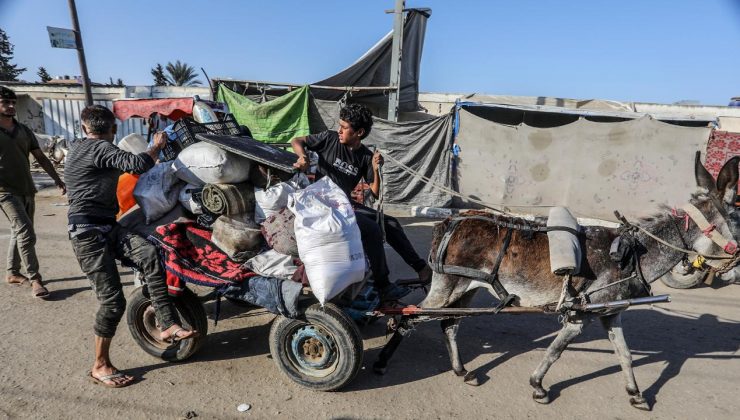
(62, 118)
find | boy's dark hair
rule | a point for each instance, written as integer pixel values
(358, 116)
(98, 119)
(6, 93)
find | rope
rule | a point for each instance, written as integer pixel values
(685, 251)
(428, 181)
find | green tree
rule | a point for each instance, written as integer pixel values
(43, 75)
(159, 77)
(181, 74)
(8, 72)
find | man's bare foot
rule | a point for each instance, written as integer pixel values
(110, 377)
(16, 279)
(177, 333)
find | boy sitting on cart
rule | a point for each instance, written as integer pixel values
(345, 160)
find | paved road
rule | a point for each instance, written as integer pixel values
(686, 359)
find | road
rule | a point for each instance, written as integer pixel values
(685, 356)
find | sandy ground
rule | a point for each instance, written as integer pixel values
(685, 356)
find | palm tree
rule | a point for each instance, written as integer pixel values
(181, 74)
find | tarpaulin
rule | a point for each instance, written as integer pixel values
(722, 147)
(373, 68)
(425, 147)
(172, 108)
(276, 121)
(593, 168)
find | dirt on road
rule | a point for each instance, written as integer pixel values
(685, 355)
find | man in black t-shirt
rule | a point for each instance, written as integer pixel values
(345, 160)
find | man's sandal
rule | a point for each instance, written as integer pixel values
(38, 290)
(103, 380)
(175, 337)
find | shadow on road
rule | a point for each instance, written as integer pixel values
(654, 336)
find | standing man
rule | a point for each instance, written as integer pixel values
(17, 193)
(345, 160)
(93, 167)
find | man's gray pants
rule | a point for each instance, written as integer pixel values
(97, 252)
(19, 210)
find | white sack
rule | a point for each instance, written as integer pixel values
(272, 264)
(133, 143)
(271, 200)
(187, 201)
(329, 241)
(156, 191)
(204, 163)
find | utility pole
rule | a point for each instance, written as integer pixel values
(396, 53)
(80, 53)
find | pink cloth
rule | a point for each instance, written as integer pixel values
(722, 146)
(172, 108)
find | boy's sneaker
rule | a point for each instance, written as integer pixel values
(393, 292)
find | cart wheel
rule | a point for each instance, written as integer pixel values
(322, 351)
(143, 325)
(683, 281)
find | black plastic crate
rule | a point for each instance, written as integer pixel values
(186, 129)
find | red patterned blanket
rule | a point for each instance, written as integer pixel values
(190, 256)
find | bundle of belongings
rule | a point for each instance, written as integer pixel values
(218, 222)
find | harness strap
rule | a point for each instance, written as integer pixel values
(438, 266)
(710, 230)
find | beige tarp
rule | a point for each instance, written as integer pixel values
(593, 168)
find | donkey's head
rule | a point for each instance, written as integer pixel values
(716, 201)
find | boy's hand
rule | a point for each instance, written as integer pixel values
(159, 140)
(302, 164)
(377, 160)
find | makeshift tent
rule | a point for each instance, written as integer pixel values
(276, 121)
(374, 67)
(366, 81)
(593, 168)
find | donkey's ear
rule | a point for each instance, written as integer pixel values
(703, 178)
(727, 181)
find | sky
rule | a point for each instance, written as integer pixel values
(660, 51)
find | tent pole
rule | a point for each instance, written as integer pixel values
(396, 57)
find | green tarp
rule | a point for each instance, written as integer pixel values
(276, 121)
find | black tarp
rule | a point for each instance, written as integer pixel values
(374, 67)
(424, 146)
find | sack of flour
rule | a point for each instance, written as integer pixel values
(329, 241)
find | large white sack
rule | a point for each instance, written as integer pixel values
(271, 200)
(156, 191)
(329, 241)
(203, 163)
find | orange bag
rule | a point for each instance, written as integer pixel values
(125, 193)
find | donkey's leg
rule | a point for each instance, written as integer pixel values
(571, 329)
(613, 326)
(450, 327)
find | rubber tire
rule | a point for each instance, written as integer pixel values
(677, 281)
(342, 330)
(192, 315)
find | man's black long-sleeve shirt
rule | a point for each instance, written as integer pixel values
(91, 173)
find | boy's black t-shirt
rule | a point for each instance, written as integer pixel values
(342, 165)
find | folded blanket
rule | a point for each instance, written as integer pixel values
(229, 198)
(189, 255)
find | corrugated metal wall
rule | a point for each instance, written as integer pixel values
(62, 118)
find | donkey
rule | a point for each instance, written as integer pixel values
(476, 243)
